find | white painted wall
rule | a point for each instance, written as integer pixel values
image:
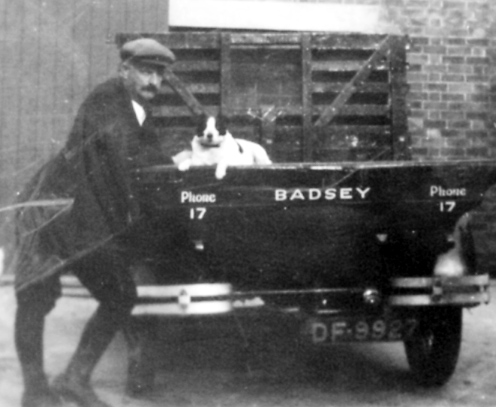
(275, 15)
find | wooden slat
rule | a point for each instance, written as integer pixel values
(176, 40)
(179, 111)
(81, 41)
(349, 41)
(347, 110)
(308, 138)
(344, 66)
(162, 11)
(24, 55)
(225, 72)
(133, 23)
(193, 40)
(6, 108)
(46, 81)
(363, 132)
(196, 66)
(336, 87)
(399, 88)
(294, 133)
(116, 22)
(358, 154)
(99, 69)
(152, 18)
(62, 108)
(265, 39)
(357, 110)
(269, 47)
(195, 88)
(359, 141)
(205, 40)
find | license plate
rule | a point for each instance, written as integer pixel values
(334, 330)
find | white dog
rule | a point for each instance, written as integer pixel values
(214, 145)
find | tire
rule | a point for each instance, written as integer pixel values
(432, 351)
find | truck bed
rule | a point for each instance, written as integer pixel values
(301, 226)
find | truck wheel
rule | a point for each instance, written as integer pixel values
(432, 351)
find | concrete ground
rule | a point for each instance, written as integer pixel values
(204, 363)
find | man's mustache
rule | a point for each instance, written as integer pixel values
(150, 88)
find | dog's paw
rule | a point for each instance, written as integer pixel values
(220, 174)
(184, 166)
(182, 160)
(220, 171)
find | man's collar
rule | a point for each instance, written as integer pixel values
(139, 111)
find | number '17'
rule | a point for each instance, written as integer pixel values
(197, 213)
(447, 206)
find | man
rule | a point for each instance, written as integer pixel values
(94, 227)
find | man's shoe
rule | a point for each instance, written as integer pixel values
(45, 398)
(73, 390)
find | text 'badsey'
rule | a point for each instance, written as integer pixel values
(317, 194)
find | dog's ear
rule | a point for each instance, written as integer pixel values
(222, 122)
(201, 122)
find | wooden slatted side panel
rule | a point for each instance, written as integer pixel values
(304, 96)
(360, 128)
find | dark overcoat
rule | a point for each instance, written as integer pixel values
(83, 197)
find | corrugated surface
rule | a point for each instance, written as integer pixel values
(52, 53)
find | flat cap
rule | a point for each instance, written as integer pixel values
(147, 50)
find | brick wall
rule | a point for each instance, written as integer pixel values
(449, 98)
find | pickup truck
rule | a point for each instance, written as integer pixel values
(344, 231)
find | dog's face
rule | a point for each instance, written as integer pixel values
(211, 130)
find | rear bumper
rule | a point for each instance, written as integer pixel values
(204, 299)
(464, 291)
(220, 298)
